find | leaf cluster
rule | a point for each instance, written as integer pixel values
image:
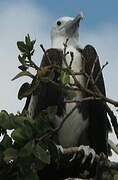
(27, 50)
(24, 152)
(44, 74)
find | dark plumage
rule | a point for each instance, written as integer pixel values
(96, 133)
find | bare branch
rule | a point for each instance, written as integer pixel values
(65, 118)
(72, 58)
(82, 100)
(99, 73)
(54, 131)
(32, 64)
(48, 58)
(63, 86)
(90, 78)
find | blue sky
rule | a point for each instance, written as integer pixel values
(17, 18)
(97, 11)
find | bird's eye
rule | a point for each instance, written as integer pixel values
(58, 23)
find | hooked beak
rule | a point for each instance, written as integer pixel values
(72, 26)
(77, 19)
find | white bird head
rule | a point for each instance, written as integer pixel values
(65, 28)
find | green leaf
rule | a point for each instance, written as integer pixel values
(28, 130)
(7, 120)
(10, 154)
(64, 78)
(43, 123)
(45, 79)
(27, 39)
(21, 119)
(27, 89)
(6, 141)
(22, 59)
(24, 73)
(24, 132)
(53, 150)
(33, 42)
(42, 154)
(32, 45)
(23, 68)
(4, 118)
(27, 149)
(41, 72)
(22, 47)
(18, 136)
(29, 43)
(23, 92)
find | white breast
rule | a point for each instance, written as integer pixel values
(77, 62)
(73, 127)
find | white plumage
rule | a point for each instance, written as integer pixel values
(63, 29)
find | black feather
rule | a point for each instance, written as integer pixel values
(49, 94)
(95, 109)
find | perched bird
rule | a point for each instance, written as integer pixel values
(87, 126)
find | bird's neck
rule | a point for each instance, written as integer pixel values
(58, 42)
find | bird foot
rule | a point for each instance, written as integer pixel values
(87, 152)
(60, 149)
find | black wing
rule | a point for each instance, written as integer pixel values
(96, 111)
(48, 94)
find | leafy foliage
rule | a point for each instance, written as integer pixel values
(25, 58)
(27, 50)
(26, 151)
(24, 148)
(64, 78)
(29, 148)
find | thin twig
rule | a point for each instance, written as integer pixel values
(77, 83)
(66, 70)
(106, 99)
(65, 118)
(96, 94)
(81, 100)
(72, 58)
(46, 135)
(90, 78)
(32, 64)
(53, 131)
(48, 58)
(99, 73)
(63, 86)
